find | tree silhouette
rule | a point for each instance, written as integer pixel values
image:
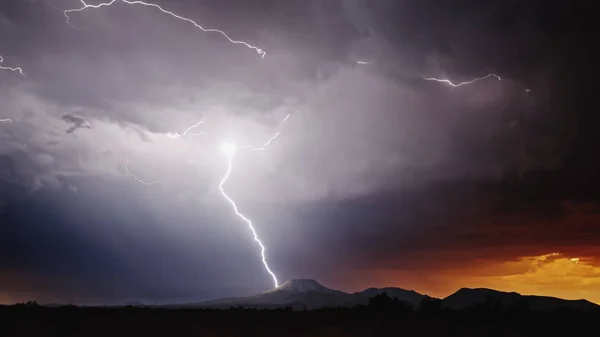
(382, 302)
(430, 306)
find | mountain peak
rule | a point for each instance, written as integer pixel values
(302, 286)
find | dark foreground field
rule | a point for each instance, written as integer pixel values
(382, 317)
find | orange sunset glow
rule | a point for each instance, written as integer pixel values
(553, 274)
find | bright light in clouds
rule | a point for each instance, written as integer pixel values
(228, 148)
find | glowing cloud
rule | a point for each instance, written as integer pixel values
(228, 148)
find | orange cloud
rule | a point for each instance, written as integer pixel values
(552, 274)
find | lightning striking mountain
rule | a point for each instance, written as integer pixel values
(15, 69)
(230, 150)
(245, 219)
(444, 80)
(130, 2)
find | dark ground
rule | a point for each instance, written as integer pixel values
(382, 317)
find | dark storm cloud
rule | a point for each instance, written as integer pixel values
(77, 123)
(374, 163)
(247, 96)
(140, 88)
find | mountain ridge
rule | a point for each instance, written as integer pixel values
(310, 294)
(471, 297)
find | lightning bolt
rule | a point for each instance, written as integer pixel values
(6, 120)
(248, 221)
(364, 62)
(185, 132)
(16, 69)
(230, 157)
(130, 2)
(461, 83)
(270, 139)
(230, 153)
(149, 183)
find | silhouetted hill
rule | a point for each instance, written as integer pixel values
(308, 294)
(466, 298)
(54, 305)
(382, 316)
(409, 296)
(135, 304)
(297, 294)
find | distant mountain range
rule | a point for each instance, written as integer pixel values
(309, 294)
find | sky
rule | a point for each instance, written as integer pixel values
(377, 177)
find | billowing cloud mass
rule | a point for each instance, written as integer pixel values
(377, 172)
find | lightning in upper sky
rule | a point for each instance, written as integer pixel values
(16, 69)
(461, 83)
(186, 131)
(85, 6)
(268, 141)
(149, 183)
